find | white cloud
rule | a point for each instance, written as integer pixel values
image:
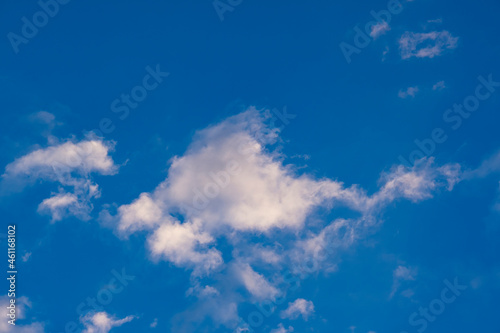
(141, 214)
(379, 29)
(410, 91)
(185, 245)
(402, 273)
(70, 165)
(439, 85)
(202, 292)
(262, 195)
(418, 183)
(232, 186)
(255, 283)
(489, 166)
(46, 122)
(26, 256)
(408, 293)
(43, 117)
(227, 179)
(338, 235)
(496, 205)
(221, 308)
(300, 307)
(101, 322)
(260, 253)
(31, 328)
(385, 52)
(282, 329)
(62, 205)
(426, 45)
(154, 323)
(55, 161)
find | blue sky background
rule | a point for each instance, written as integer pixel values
(350, 122)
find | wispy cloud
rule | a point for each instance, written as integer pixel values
(282, 329)
(232, 184)
(26, 256)
(402, 273)
(488, 166)
(101, 322)
(379, 29)
(385, 53)
(46, 122)
(255, 283)
(439, 85)
(410, 91)
(426, 45)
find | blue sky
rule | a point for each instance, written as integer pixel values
(246, 166)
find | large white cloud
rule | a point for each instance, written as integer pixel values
(227, 179)
(231, 185)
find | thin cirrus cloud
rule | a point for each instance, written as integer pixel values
(230, 183)
(68, 164)
(426, 45)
